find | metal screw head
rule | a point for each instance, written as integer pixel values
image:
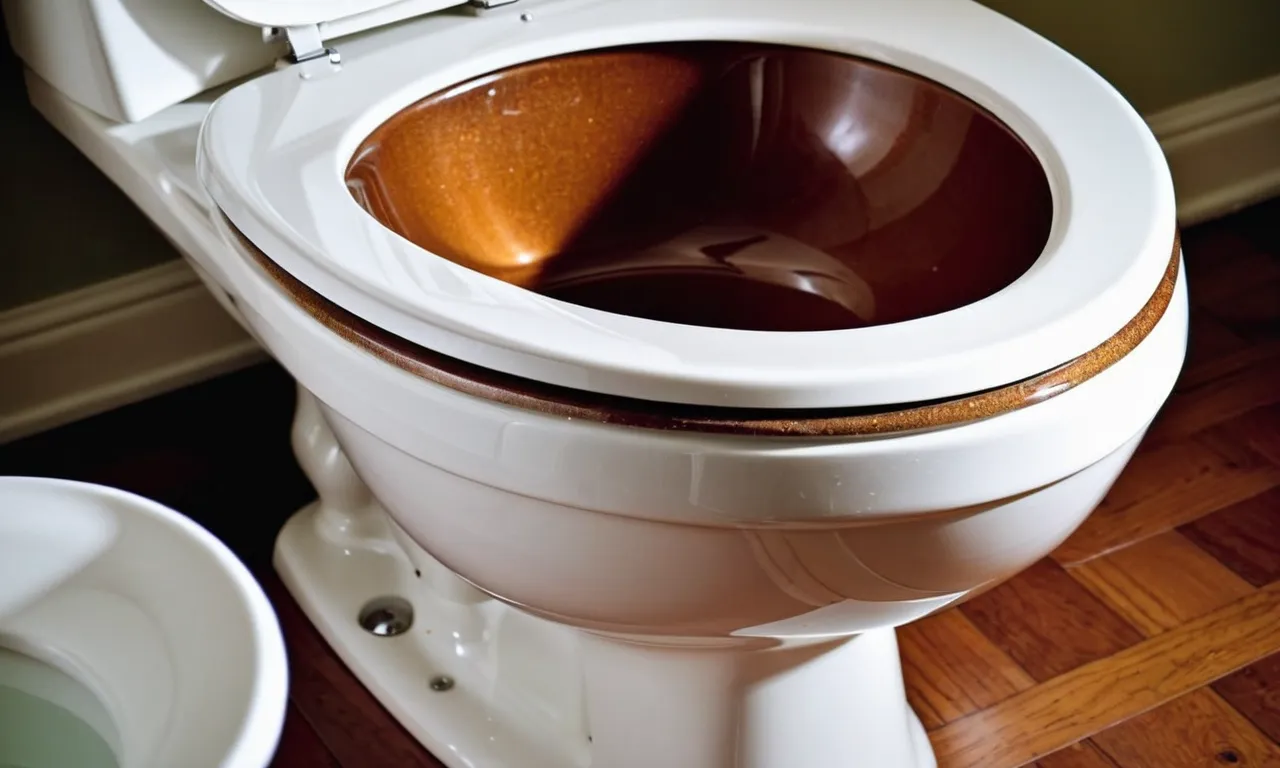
(441, 683)
(386, 616)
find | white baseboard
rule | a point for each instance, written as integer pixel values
(110, 344)
(143, 334)
(1224, 149)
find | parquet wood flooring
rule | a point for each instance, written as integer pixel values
(1149, 639)
(1197, 729)
(1161, 583)
(1255, 692)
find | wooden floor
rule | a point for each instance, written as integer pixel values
(1150, 639)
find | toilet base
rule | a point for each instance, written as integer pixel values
(482, 684)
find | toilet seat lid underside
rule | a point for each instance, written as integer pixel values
(273, 154)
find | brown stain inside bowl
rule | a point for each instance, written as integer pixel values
(731, 185)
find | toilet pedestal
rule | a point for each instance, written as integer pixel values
(480, 683)
(828, 704)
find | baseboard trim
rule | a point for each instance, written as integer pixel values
(1223, 150)
(143, 334)
(111, 344)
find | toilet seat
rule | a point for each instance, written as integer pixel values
(273, 152)
(150, 613)
(573, 404)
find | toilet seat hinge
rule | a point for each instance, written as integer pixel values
(305, 43)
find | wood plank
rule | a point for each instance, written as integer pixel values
(1216, 401)
(1161, 583)
(1248, 440)
(1081, 755)
(1078, 704)
(951, 669)
(1198, 729)
(1236, 275)
(1208, 342)
(1218, 362)
(347, 718)
(1258, 431)
(1253, 312)
(1222, 264)
(1245, 537)
(1163, 488)
(1048, 623)
(300, 746)
(1264, 433)
(1255, 693)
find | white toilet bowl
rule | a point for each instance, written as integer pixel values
(129, 637)
(552, 533)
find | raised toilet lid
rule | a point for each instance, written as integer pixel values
(275, 154)
(150, 613)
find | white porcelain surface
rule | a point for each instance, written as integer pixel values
(682, 477)
(587, 525)
(528, 693)
(518, 699)
(39, 552)
(536, 694)
(154, 616)
(128, 59)
(700, 562)
(274, 150)
(295, 13)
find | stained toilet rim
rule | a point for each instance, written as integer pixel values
(621, 411)
(273, 152)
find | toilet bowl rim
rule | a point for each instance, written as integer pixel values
(389, 421)
(565, 402)
(505, 328)
(263, 716)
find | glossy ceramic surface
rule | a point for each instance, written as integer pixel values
(275, 153)
(577, 404)
(345, 15)
(731, 185)
(801, 558)
(150, 613)
(707, 609)
(760, 544)
(529, 693)
(128, 61)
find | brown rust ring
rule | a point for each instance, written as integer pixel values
(554, 400)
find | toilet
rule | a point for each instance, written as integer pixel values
(129, 637)
(656, 359)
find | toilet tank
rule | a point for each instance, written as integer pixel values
(128, 59)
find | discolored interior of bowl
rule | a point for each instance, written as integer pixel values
(731, 185)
